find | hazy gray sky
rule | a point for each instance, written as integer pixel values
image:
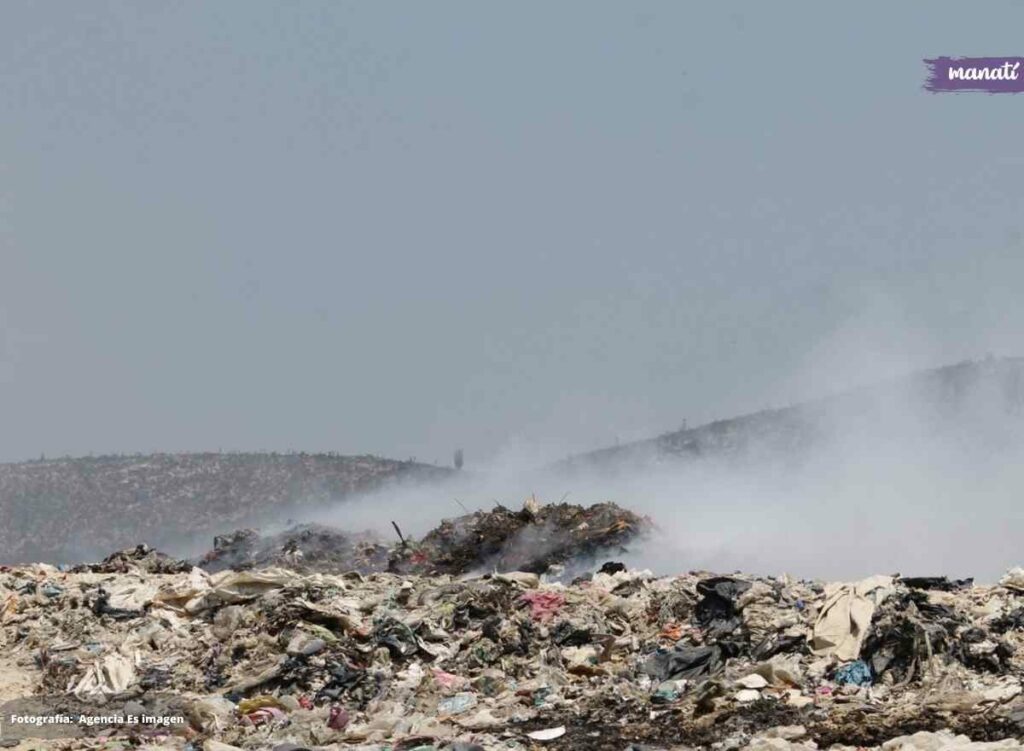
(405, 227)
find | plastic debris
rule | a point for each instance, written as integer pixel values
(422, 655)
(546, 735)
(855, 674)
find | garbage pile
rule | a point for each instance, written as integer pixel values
(534, 539)
(140, 558)
(305, 548)
(615, 660)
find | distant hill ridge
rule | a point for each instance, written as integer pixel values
(67, 510)
(62, 510)
(946, 398)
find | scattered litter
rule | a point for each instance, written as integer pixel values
(317, 639)
(546, 735)
(854, 674)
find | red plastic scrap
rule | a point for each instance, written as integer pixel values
(338, 718)
(543, 605)
(446, 680)
(263, 715)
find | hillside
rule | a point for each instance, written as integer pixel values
(66, 509)
(970, 401)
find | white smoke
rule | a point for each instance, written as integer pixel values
(905, 477)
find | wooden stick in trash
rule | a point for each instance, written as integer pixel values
(395, 525)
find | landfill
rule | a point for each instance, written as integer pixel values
(501, 630)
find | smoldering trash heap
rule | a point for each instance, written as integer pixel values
(502, 629)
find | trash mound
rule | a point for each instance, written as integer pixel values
(273, 658)
(140, 558)
(309, 652)
(306, 548)
(533, 539)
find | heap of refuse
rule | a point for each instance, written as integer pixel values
(534, 539)
(306, 548)
(429, 658)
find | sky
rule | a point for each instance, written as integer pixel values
(403, 228)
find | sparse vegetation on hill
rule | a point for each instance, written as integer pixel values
(62, 510)
(961, 398)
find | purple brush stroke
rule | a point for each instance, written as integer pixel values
(939, 80)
